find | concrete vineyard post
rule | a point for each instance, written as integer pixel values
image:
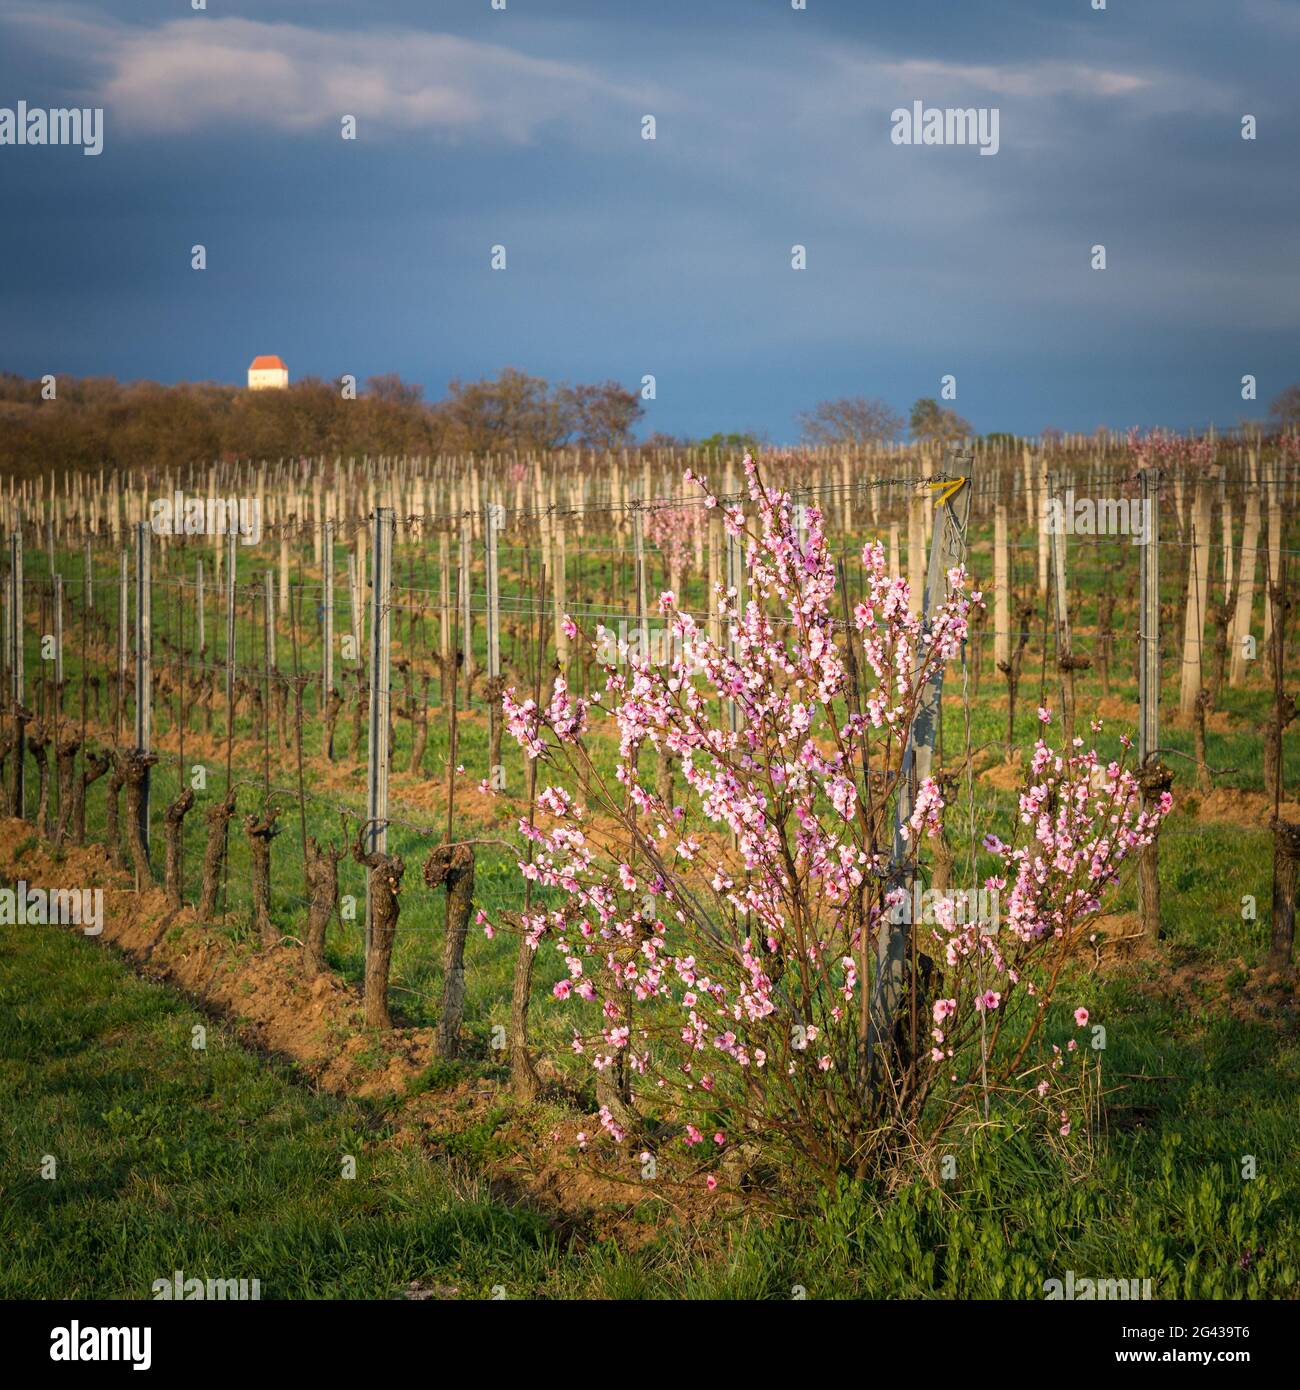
(889, 987)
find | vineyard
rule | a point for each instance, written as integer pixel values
(668, 834)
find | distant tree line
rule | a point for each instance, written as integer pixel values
(95, 422)
(100, 422)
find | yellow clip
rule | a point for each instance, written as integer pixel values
(951, 486)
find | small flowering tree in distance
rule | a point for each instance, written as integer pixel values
(671, 530)
(719, 951)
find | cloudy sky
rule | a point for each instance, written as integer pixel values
(523, 127)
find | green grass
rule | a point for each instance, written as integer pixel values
(219, 1163)
(213, 1161)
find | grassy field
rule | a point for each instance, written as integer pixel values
(223, 1164)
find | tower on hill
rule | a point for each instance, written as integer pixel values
(267, 374)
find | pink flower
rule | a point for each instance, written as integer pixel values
(1081, 1017)
(769, 756)
(710, 1182)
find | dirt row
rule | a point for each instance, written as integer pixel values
(319, 1027)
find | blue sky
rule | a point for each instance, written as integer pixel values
(672, 257)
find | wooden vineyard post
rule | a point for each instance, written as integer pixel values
(376, 835)
(736, 584)
(143, 668)
(268, 623)
(284, 569)
(915, 551)
(1273, 568)
(359, 582)
(230, 650)
(466, 614)
(493, 523)
(1001, 589)
(1154, 777)
(444, 616)
(274, 693)
(58, 642)
(123, 639)
(17, 661)
(6, 630)
(1198, 577)
(174, 816)
(1067, 663)
(638, 558)
(558, 597)
(327, 612)
(1149, 617)
(716, 541)
(201, 639)
(1044, 538)
(1240, 636)
(354, 607)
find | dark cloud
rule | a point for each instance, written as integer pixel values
(673, 257)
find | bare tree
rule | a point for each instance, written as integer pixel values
(1285, 408)
(389, 386)
(850, 420)
(603, 415)
(514, 411)
(931, 421)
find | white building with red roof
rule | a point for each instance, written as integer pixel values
(267, 374)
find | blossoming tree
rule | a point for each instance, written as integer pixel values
(720, 951)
